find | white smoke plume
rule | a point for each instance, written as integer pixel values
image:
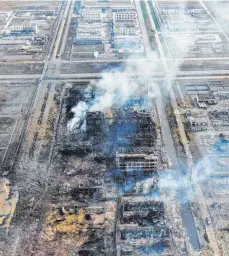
(200, 173)
(137, 73)
(79, 113)
(171, 181)
(147, 185)
(219, 9)
(117, 87)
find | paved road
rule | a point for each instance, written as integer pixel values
(185, 209)
(66, 28)
(159, 76)
(143, 27)
(60, 29)
(187, 59)
(20, 77)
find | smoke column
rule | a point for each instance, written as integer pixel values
(137, 73)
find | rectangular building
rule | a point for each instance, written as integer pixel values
(136, 161)
(26, 29)
(121, 15)
(91, 14)
(126, 28)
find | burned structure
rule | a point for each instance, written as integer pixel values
(134, 128)
(95, 124)
(113, 155)
(136, 161)
(142, 222)
(219, 117)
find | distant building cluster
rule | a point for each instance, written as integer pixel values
(210, 106)
(204, 95)
(196, 122)
(23, 33)
(113, 25)
(126, 30)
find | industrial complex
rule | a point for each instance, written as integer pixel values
(114, 128)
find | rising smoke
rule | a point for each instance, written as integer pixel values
(199, 173)
(220, 10)
(118, 87)
(172, 180)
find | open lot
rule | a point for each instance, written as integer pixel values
(20, 68)
(23, 5)
(15, 102)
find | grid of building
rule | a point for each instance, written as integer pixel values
(114, 26)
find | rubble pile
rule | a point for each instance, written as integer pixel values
(107, 156)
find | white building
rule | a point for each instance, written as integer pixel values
(93, 28)
(90, 33)
(22, 28)
(12, 42)
(89, 14)
(181, 11)
(197, 123)
(126, 28)
(108, 4)
(128, 42)
(124, 16)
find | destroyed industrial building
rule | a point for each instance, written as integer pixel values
(118, 151)
(128, 132)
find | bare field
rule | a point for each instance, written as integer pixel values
(20, 5)
(20, 68)
(15, 99)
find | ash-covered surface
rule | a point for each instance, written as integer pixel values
(90, 155)
(102, 160)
